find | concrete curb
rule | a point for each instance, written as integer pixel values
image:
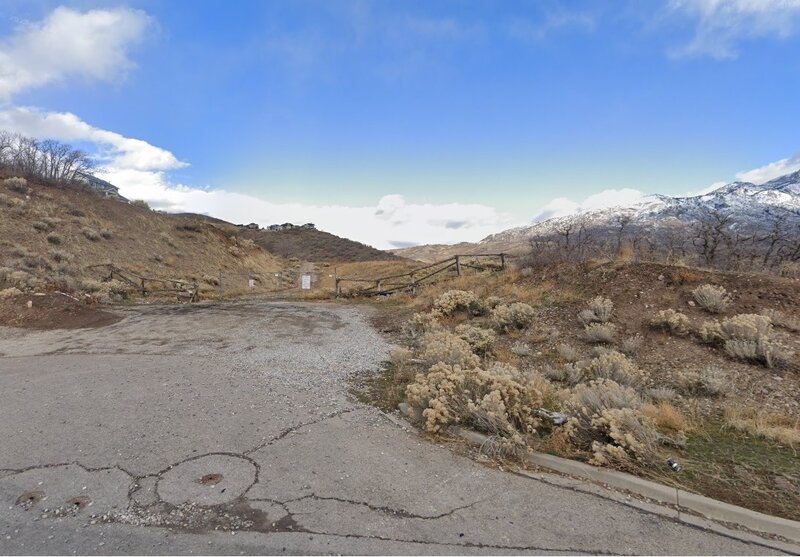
(705, 506)
(682, 500)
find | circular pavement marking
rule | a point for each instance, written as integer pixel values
(208, 480)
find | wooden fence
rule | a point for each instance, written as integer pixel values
(146, 285)
(410, 280)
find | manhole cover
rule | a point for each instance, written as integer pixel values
(208, 480)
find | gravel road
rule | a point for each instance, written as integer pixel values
(229, 429)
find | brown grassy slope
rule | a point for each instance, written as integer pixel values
(314, 245)
(85, 229)
(741, 464)
(430, 253)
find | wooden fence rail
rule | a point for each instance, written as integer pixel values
(149, 285)
(415, 277)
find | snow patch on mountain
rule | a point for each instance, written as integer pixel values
(748, 205)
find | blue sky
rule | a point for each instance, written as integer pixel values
(496, 111)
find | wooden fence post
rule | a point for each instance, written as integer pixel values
(221, 290)
(502, 261)
(458, 266)
(338, 287)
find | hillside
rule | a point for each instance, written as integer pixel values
(739, 224)
(749, 206)
(314, 245)
(50, 234)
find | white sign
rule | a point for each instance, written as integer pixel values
(251, 283)
(306, 282)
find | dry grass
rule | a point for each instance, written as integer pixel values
(665, 416)
(776, 427)
(84, 223)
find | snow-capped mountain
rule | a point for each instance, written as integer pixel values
(742, 205)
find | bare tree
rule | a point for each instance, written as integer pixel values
(48, 159)
(710, 229)
(621, 221)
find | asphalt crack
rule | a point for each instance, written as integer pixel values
(400, 513)
(293, 429)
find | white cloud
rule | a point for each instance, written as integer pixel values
(561, 206)
(69, 43)
(771, 171)
(403, 224)
(114, 149)
(721, 24)
(140, 171)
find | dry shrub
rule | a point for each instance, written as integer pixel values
(454, 300)
(746, 326)
(599, 333)
(15, 203)
(568, 353)
(683, 275)
(521, 348)
(780, 319)
(141, 203)
(606, 421)
(661, 394)
(631, 345)
(90, 285)
(115, 288)
(106, 233)
(41, 226)
(479, 339)
(17, 184)
(586, 316)
(400, 356)
(777, 427)
(763, 351)
(500, 401)
(666, 417)
(54, 239)
(60, 256)
(517, 315)
(600, 310)
(710, 382)
(617, 367)
(671, 321)
(568, 374)
(710, 332)
(748, 337)
(10, 292)
(90, 234)
(76, 212)
(445, 347)
(714, 299)
(421, 323)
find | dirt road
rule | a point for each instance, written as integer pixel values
(229, 429)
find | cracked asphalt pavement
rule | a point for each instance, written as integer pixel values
(229, 429)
